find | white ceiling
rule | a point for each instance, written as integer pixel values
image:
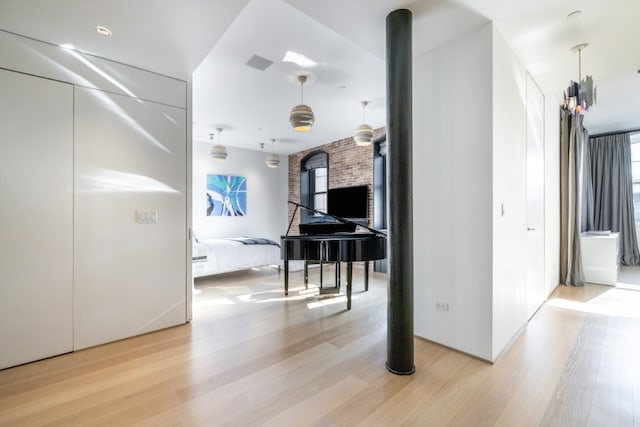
(214, 38)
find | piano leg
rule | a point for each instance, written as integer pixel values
(286, 277)
(349, 277)
(366, 276)
(306, 274)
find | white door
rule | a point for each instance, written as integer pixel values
(535, 197)
(36, 218)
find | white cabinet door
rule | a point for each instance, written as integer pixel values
(36, 218)
(535, 198)
(130, 211)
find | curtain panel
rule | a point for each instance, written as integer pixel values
(573, 138)
(609, 180)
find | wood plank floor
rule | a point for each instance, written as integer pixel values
(253, 357)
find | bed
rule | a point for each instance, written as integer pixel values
(216, 256)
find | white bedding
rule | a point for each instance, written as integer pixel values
(223, 255)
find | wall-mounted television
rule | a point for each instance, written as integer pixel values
(349, 202)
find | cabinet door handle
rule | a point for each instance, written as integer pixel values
(531, 228)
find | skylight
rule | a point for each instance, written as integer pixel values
(300, 59)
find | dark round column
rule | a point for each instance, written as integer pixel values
(400, 194)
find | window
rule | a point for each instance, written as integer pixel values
(314, 182)
(380, 183)
(635, 174)
(318, 189)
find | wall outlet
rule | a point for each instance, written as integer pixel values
(147, 217)
(442, 306)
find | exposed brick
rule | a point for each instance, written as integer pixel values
(349, 165)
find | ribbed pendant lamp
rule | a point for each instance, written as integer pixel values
(363, 135)
(272, 160)
(301, 117)
(218, 151)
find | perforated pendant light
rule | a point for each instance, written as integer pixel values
(272, 160)
(301, 117)
(218, 151)
(363, 135)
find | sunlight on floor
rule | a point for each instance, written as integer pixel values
(327, 301)
(230, 295)
(629, 278)
(613, 302)
(628, 286)
(213, 302)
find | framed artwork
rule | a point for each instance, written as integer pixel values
(226, 195)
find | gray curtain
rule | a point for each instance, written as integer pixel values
(573, 138)
(610, 181)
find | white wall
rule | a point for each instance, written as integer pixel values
(452, 107)
(509, 195)
(267, 192)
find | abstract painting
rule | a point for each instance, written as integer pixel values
(226, 195)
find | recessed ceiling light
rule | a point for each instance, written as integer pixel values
(575, 14)
(103, 31)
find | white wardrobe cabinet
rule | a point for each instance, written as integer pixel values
(82, 154)
(36, 218)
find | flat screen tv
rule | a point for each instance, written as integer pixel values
(348, 202)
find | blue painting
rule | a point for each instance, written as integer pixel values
(226, 195)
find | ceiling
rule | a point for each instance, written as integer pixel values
(211, 40)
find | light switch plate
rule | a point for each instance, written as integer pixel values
(147, 216)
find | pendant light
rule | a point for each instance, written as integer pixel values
(218, 152)
(580, 95)
(363, 135)
(301, 117)
(272, 160)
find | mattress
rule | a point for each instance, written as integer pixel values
(215, 256)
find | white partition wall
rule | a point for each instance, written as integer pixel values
(452, 169)
(470, 243)
(36, 223)
(130, 160)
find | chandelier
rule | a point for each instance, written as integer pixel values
(580, 95)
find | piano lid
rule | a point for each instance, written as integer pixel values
(343, 222)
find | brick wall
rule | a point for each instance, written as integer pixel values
(349, 165)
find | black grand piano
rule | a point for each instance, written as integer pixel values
(332, 243)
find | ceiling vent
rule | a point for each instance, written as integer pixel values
(259, 63)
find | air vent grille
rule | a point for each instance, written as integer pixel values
(259, 63)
